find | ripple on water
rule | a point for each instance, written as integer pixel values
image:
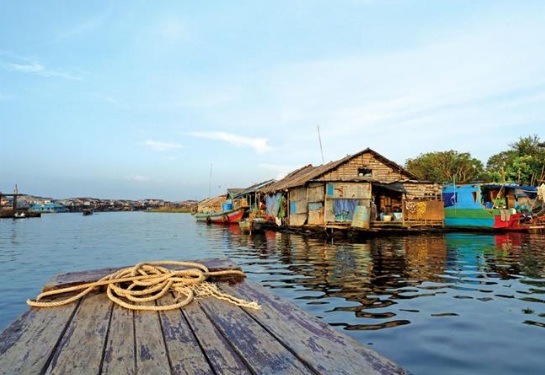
(437, 304)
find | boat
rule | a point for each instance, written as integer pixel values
(249, 226)
(48, 208)
(231, 216)
(87, 212)
(19, 215)
(494, 206)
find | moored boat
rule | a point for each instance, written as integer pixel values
(490, 206)
(232, 216)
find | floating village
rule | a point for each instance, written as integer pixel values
(202, 316)
(361, 193)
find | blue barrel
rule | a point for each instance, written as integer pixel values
(227, 206)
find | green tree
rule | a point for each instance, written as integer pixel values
(446, 166)
(523, 163)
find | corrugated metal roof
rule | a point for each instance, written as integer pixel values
(255, 187)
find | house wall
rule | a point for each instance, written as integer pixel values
(423, 210)
(423, 202)
(315, 197)
(418, 190)
(360, 191)
(349, 170)
(298, 206)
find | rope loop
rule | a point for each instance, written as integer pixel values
(138, 287)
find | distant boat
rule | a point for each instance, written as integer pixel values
(19, 215)
(490, 206)
(221, 217)
(87, 212)
(48, 208)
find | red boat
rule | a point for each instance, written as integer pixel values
(222, 217)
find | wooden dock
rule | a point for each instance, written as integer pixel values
(209, 336)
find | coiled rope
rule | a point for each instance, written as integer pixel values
(135, 287)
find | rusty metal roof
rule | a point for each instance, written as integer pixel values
(305, 174)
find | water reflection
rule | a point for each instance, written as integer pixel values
(370, 285)
(436, 304)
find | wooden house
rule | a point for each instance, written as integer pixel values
(252, 197)
(362, 191)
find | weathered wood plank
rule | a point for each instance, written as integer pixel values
(81, 348)
(186, 357)
(218, 351)
(19, 352)
(151, 354)
(76, 278)
(119, 356)
(316, 343)
(261, 351)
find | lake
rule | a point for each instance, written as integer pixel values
(446, 303)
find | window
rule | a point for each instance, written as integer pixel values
(365, 172)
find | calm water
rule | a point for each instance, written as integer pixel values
(435, 304)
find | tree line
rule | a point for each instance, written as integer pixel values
(523, 163)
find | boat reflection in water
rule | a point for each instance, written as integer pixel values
(437, 296)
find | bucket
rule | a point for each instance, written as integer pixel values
(397, 216)
(387, 218)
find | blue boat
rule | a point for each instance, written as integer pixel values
(48, 208)
(492, 206)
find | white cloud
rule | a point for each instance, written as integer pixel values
(162, 146)
(258, 144)
(280, 170)
(33, 67)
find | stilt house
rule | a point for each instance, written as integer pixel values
(363, 191)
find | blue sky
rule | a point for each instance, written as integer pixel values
(184, 99)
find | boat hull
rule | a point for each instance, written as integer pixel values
(484, 219)
(474, 206)
(223, 217)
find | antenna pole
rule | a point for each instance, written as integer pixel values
(320, 140)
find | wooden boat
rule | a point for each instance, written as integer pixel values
(489, 206)
(249, 226)
(221, 217)
(208, 336)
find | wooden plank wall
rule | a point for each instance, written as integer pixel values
(420, 190)
(349, 170)
(344, 190)
(298, 200)
(316, 195)
(420, 210)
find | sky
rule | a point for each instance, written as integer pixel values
(181, 100)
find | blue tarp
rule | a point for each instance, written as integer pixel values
(344, 208)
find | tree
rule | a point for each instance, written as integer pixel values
(446, 166)
(523, 164)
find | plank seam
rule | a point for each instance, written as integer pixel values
(54, 353)
(233, 348)
(203, 351)
(106, 336)
(283, 343)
